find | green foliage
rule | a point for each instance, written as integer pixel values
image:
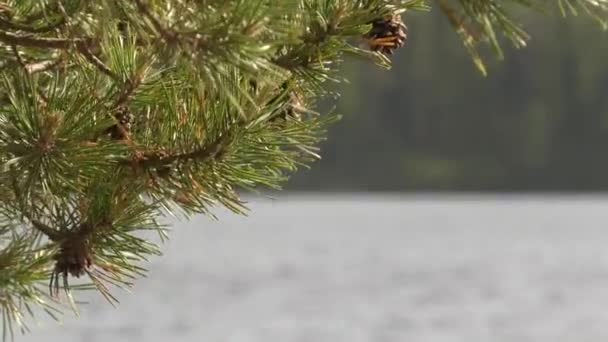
(482, 22)
(114, 113)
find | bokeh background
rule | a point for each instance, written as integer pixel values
(432, 216)
(538, 122)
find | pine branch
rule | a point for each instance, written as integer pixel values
(21, 268)
(46, 230)
(483, 21)
(43, 66)
(82, 45)
(28, 40)
(90, 56)
(206, 152)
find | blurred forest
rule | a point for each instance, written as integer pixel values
(538, 122)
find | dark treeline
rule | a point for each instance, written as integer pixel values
(538, 122)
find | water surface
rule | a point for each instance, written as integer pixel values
(371, 269)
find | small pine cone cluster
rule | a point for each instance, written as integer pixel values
(75, 258)
(387, 34)
(121, 130)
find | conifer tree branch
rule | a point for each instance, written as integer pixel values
(154, 159)
(43, 66)
(46, 230)
(82, 45)
(29, 40)
(94, 60)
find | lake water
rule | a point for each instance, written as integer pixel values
(370, 269)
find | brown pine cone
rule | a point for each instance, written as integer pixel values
(121, 130)
(387, 34)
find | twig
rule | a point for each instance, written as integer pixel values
(42, 66)
(27, 40)
(205, 153)
(458, 22)
(18, 56)
(90, 56)
(82, 46)
(52, 234)
(127, 92)
(32, 68)
(24, 66)
(202, 154)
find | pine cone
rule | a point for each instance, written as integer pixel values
(75, 258)
(387, 34)
(121, 130)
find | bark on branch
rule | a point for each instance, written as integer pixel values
(27, 40)
(155, 160)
